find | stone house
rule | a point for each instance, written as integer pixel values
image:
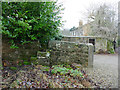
(81, 30)
(78, 31)
(82, 34)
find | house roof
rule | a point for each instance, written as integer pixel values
(85, 36)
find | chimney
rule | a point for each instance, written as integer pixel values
(80, 23)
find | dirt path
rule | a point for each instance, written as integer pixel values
(105, 70)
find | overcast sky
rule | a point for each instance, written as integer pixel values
(74, 10)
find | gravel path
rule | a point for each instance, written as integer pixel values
(105, 71)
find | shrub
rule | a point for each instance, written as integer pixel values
(24, 22)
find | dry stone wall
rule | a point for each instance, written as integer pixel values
(22, 53)
(68, 52)
(59, 52)
(64, 52)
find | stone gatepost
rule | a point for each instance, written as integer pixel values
(90, 55)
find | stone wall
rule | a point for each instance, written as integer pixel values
(63, 52)
(59, 52)
(22, 53)
(101, 44)
(75, 39)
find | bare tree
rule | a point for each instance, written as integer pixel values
(103, 22)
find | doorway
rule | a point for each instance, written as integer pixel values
(93, 42)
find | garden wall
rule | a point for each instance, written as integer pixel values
(63, 52)
(22, 53)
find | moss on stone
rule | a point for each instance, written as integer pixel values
(33, 58)
(13, 68)
(42, 54)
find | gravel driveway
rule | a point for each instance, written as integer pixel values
(105, 71)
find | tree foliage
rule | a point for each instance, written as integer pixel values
(28, 21)
(73, 28)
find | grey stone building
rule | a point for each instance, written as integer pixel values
(82, 35)
(75, 32)
(98, 42)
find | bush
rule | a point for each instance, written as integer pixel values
(24, 22)
(110, 47)
(111, 51)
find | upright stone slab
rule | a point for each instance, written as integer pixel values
(43, 58)
(90, 57)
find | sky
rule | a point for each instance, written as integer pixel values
(75, 10)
